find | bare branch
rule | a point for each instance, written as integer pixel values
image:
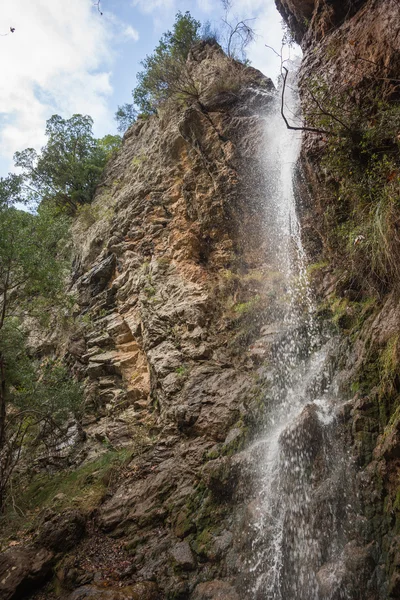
(303, 128)
(97, 4)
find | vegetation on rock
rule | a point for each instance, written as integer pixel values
(361, 162)
(165, 73)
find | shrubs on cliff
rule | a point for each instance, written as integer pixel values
(164, 72)
(362, 162)
(69, 167)
(125, 117)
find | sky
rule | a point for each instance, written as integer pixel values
(65, 57)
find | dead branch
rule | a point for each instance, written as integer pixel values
(294, 128)
(97, 4)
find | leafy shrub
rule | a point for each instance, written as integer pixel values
(164, 72)
(362, 163)
(125, 116)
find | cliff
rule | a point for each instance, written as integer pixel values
(352, 53)
(174, 283)
(237, 441)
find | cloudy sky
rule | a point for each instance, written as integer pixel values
(65, 57)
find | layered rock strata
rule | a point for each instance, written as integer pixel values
(177, 302)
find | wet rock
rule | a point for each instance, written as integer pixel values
(180, 210)
(304, 437)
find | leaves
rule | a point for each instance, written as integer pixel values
(68, 169)
(125, 117)
(165, 73)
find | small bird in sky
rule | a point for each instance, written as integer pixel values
(12, 29)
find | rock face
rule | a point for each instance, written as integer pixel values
(178, 300)
(353, 48)
(22, 568)
(174, 280)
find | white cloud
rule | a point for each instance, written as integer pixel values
(149, 6)
(58, 60)
(130, 33)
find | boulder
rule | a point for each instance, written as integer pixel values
(215, 590)
(183, 556)
(22, 569)
(62, 532)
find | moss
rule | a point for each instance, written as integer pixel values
(390, 365)
(184, 524)
(345, 315)
(203, 542)
(244, 308)
(362, 164)
(82, 488)
(316, 267)
(138, 160)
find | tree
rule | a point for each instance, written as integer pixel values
(125, 117)
(237, 34)
(32, 270)
(69, 167)
(164, 72)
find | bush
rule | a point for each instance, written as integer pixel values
(362, 163)
(125, 116)
(165, 74)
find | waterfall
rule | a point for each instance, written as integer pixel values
(304, 510)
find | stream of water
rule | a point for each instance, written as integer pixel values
(304, 505)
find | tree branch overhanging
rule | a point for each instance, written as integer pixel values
(293, 127)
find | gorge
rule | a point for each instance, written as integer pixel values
(237, 335)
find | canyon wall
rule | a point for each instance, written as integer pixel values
(179, 309)
(175, 289)
(353, 48)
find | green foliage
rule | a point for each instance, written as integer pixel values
(182, 371)
(164, 72)
(244, 308)
(41, 388)
(69, 167)
(362, 163)
(81, 488)
(32, 261)
(109, 145)
(10, 190)
(33, 265)
(389, 361)
(125, 116)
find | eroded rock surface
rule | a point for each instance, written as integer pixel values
(352, 49)
(174, 278)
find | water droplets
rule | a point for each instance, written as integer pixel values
(299, 525)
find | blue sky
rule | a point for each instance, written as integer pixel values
(64, 57)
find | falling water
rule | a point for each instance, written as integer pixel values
(303, 511)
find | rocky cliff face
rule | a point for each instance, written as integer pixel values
(179, 304)
(353, 48)
(174, 282)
